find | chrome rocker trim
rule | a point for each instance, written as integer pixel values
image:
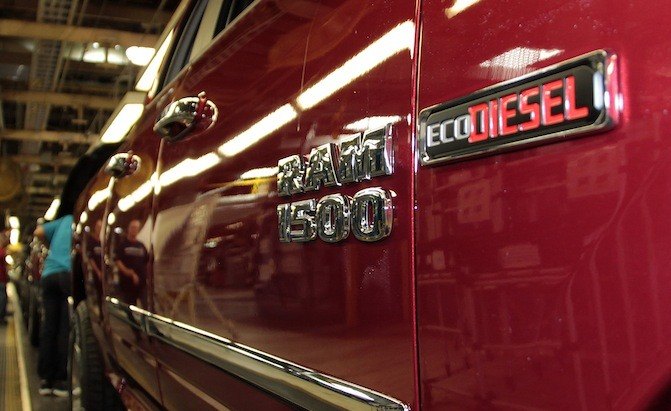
(301, 386)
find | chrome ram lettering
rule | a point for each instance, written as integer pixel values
(368, 215)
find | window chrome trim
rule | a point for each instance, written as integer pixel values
(294, 383)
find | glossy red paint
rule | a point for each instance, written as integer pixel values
(210, 228)
(532, 279)
(344, 309)
(542, 273)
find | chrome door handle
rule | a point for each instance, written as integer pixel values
(122, 165)
(185, 116)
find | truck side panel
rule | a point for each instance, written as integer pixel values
(542, 274)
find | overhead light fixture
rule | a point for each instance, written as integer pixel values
(150, 73)
(123, 118)
(14, 236)
(14, 222)
(95, 54)
(51, 212)
(140, 56)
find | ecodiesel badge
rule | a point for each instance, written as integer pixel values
(569, 99)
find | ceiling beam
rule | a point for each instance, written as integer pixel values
(41, 199)
(64, 137)
(43, 190)
(16, 58)
(75, 34)
(59, 99)
(49, 177)
(104, 11)
(50, 161)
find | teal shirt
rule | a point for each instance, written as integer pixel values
(59, 236)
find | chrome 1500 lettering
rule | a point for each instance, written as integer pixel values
(368, 214)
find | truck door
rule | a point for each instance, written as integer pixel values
(127, 258)
(538, 269)
(250, 309)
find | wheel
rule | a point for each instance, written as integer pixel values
(89, 389)
(34, 319)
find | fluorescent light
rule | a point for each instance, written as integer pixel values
(95, 55)
(372, 123)
(401, 37)
(14, 235)
(123, 118)
(140, 56)
(111, 219)
(84, 217)
(150, 73)
(51, 212)
(14, 222)
(458, 7)
(259, 173)
(257, 131)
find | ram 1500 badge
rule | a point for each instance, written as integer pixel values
(369, 214)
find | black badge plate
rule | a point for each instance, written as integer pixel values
(573, 98)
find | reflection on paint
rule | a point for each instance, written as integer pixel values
(256, 132)
(372, 123)
(259, 173)
(514, 62)
(138, 194)
(188, 168)
(398, 39)
(98, 198)
(459, 6)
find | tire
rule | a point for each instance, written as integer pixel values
(34, 319)
(86, 370)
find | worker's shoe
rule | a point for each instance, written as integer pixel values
(60, 389)
(46, 388)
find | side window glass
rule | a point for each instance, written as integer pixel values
(238, 7)
(207, 30)
(185, 43)
(218, 15)
(207, 20)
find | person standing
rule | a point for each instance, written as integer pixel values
(131, 259)
(55, 288)
(4, 279)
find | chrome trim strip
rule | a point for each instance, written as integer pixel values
(299, 385)
(129, 314)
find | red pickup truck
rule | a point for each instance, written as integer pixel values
(389, 205)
